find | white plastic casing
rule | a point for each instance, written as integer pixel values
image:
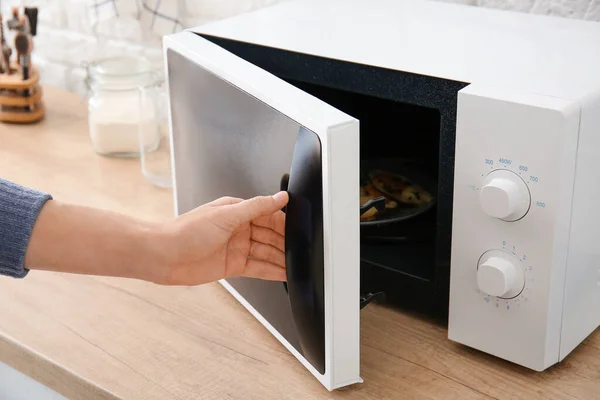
(581, 314)
(534, 137)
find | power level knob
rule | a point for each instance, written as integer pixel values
(500, 274)
(504, 195)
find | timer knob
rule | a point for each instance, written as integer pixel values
(504, 195)
(500, 274)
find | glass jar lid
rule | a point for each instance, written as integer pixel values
(121, 73)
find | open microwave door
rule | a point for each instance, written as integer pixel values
(239, 131)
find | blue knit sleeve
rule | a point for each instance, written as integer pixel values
(19, 208)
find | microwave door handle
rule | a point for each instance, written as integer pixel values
(304, 247)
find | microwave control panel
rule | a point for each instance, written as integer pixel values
(514, 169)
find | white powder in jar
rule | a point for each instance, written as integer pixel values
(117, 123)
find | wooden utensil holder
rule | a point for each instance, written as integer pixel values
(21, 100)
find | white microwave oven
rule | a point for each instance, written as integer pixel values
(441, 155)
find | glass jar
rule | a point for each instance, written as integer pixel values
(114, 113)
(154, 138)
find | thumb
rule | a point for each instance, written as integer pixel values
(248, 210)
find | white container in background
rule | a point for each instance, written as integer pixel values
(114, 114)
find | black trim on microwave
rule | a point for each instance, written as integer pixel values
(304, 247)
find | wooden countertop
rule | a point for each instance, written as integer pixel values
(103, 338)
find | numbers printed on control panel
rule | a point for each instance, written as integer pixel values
(533, 178)
(505, 161)
(540, 204)
(489, 162)
(523, 168)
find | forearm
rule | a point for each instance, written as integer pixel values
(75, 239)
(225, 238)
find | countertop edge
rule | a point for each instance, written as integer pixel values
(48, 373)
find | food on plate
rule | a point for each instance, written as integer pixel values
(399, 188)
(399, 192)
(368, 192)
(369, 215)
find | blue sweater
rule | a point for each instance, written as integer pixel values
(19, 208)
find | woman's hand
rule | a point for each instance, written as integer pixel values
(227, 238)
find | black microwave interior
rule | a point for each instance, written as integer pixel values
(402, 116)
(394, 132)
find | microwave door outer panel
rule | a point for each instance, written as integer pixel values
(514, 178)
(239, 131)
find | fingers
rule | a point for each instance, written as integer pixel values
(264, 270)
(248, 210)
(267, 253)
(274, 222)
(224, 201)
(267, 236)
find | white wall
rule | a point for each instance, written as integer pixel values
(75, 31)
(581, 9)
(72, 32)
